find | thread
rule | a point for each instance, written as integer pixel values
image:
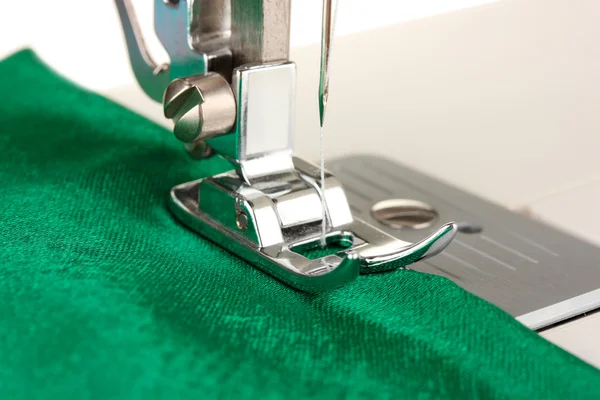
(323, 204)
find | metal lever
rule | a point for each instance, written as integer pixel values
(152, 77)
(194, 33)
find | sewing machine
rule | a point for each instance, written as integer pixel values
(230, 90)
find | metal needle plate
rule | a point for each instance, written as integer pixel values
(536, 273)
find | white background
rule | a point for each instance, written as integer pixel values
(83, 40)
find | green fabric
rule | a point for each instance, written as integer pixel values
(103, 294)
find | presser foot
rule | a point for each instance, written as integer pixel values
(275, 225)
(234, 95)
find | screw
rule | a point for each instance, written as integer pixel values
(201, 107)
(198, 150)
(241, 220)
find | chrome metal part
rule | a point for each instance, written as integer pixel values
(532, 271)
(211, 207)
(266, 106)
(206, 35)
(152, 77)
(404, 214)
(260, 31)
(201, 106)
(262, 142)
(270, 205)
(195, 34)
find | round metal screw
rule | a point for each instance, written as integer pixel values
(241, 220)
(404, 213)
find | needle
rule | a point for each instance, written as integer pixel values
(329, 9)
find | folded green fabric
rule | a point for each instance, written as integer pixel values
(103, 294)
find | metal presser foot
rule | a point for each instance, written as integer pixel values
(230, 90)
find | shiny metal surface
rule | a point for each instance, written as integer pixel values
(212, 207)
(382, 254)
(327, 34)
(404, 214)
(270, 204)
(260, 31)
(262, 141)
(210, 25)
(272, 257)
(534, 272)
(195, 34)
(299, 207)
(173, 24)
(206, 35)
(337, 209)
(152, 77)
(266, 98)
(201, 106)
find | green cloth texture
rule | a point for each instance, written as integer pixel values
(105, 295)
